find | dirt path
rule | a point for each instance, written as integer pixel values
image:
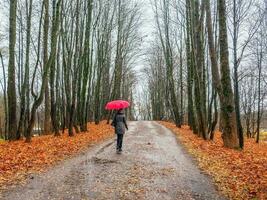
(152, 166)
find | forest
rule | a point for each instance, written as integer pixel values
(193, 71)
(211, 56)
(63, 62)
(204, 65)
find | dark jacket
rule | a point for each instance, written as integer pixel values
(119, 122)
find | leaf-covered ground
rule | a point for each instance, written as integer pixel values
(238, 174)
(152, 166)
(19, 159)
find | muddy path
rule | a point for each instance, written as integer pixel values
(152, 166)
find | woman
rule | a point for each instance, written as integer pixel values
(119, 122)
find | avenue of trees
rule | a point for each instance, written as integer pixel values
(206, 67)
(62, 61)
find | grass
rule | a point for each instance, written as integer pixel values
(263, 136)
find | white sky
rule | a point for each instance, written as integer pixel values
(146, 29)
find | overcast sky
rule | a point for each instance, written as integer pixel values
(146, 30)
(147, 27)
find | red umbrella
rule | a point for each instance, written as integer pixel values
(117, 104)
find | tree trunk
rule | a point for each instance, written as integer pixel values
(5, 96)
(197, 66)
(191, 114)
(47, 120)
(87, 67)
(38, 101)
(25, 96)
(223, 84)
(236, 83)
(11, 85)
(259, 95)
(230, 135)
(53, 105)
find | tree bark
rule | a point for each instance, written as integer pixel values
(223, 84)
(25, 96)
(11, 85)
(230, 135)
(191, 114)
(47, 120)
(5, 96)
(236, 82)
(38, 100)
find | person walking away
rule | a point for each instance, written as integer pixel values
(120, 124)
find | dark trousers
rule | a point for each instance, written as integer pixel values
(119, 141)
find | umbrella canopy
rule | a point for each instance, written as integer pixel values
(117, 105)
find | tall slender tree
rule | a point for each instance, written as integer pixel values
(46, 71)
(230, 135)
(25, 96)
(11, 84)
(47, 118)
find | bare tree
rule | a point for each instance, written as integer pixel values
(11, 84)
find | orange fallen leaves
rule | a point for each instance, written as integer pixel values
(18, 159)
(238, 174)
